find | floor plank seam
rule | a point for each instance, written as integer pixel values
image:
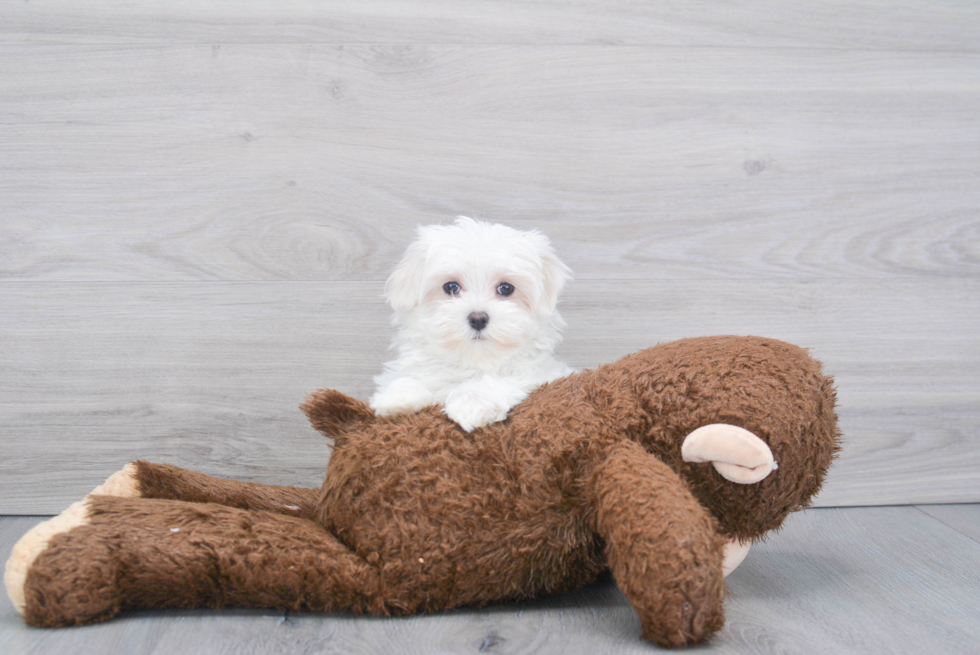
(951, 527)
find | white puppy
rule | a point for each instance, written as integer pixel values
(477, 325)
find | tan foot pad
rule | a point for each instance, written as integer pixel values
(121, 484)
(33, 544)
(735, 552)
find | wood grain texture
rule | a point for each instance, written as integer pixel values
(885, 579)
(209, 375)
(287, 162)
(835, 23)
(198, 204)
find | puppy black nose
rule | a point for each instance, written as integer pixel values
(478, 320)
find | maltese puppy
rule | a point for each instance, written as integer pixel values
(477, 325)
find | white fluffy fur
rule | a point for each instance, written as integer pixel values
(477, 375)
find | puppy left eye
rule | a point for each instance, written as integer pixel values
(505, 288)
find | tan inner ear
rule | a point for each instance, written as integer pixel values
(736, 453)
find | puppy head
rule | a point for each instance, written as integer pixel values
(479, 287)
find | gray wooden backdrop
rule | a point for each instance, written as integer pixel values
(199, 203)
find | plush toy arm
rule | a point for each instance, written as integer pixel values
(105, 554)
(147, 480)
(661, 546)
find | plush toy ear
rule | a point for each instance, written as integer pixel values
(403, 290)
(332, 413)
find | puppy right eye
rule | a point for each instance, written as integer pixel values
(451, 288)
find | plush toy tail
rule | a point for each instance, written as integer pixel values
(108, 554)
(332, 413)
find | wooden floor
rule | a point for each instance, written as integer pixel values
(852, 580)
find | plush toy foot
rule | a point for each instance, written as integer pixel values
(735, 552)
(122, 484)
(737, 454)
(32, 544)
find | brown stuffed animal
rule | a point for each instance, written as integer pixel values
(660, 466)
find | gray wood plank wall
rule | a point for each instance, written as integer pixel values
(199, 204)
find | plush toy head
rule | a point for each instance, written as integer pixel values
(772, 389)
(651, 466)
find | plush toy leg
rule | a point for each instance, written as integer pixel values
(661, 545)
(736, 453)
(146, 480)
(106, 554)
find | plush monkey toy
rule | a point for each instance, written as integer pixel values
(662, 466)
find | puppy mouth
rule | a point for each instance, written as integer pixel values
(483, 337)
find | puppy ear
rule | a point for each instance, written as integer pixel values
(403, 290)
(554, 271)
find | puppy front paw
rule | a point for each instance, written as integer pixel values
(403, 395)
(472, 410)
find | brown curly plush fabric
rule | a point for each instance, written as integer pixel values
(417, 514)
